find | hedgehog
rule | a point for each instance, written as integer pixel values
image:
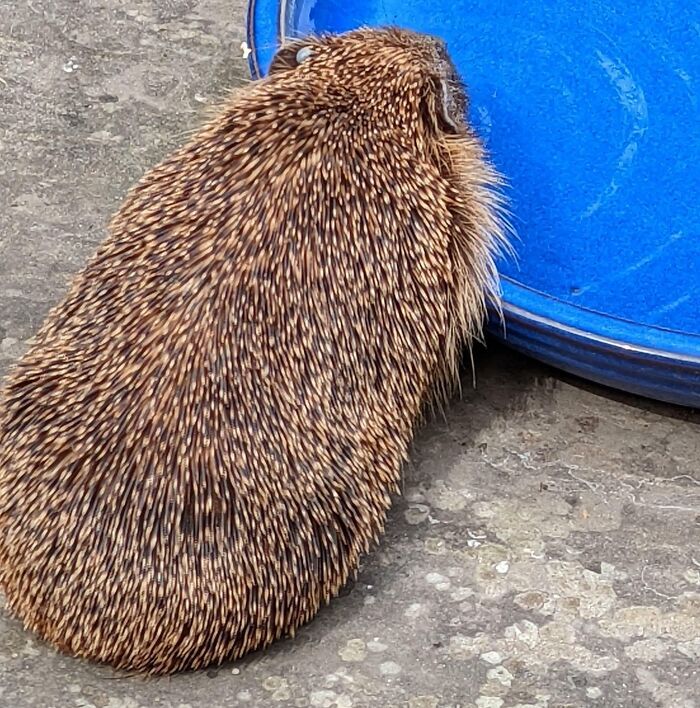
(204, 437)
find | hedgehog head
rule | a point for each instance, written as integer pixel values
(390, 76)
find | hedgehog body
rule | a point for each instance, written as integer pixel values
(203, 438)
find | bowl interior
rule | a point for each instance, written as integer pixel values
(592, 111)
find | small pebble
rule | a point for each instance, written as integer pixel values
(523, 631)
(692, 575)
(423, 702)
(389, 668)
(281, 694)
(413, 610)
(323, 699)
(354, 650)
(438, 580)
(503, 567)
(414, 496)
(435, 546)
(274, 683)
(416, 514)
(492, 657)
(489, 702)
(71, 65)
(461, 594)
(501, 675)
(376, 646)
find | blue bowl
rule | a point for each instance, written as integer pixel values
(592, 111)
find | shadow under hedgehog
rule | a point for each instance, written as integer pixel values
(202, 440)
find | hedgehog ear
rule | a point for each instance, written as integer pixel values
(447, 106)
(285, 58)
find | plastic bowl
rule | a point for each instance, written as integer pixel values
(592, 111)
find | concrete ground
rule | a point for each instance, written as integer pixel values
(545, 552)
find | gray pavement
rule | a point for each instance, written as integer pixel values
(545, 552)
